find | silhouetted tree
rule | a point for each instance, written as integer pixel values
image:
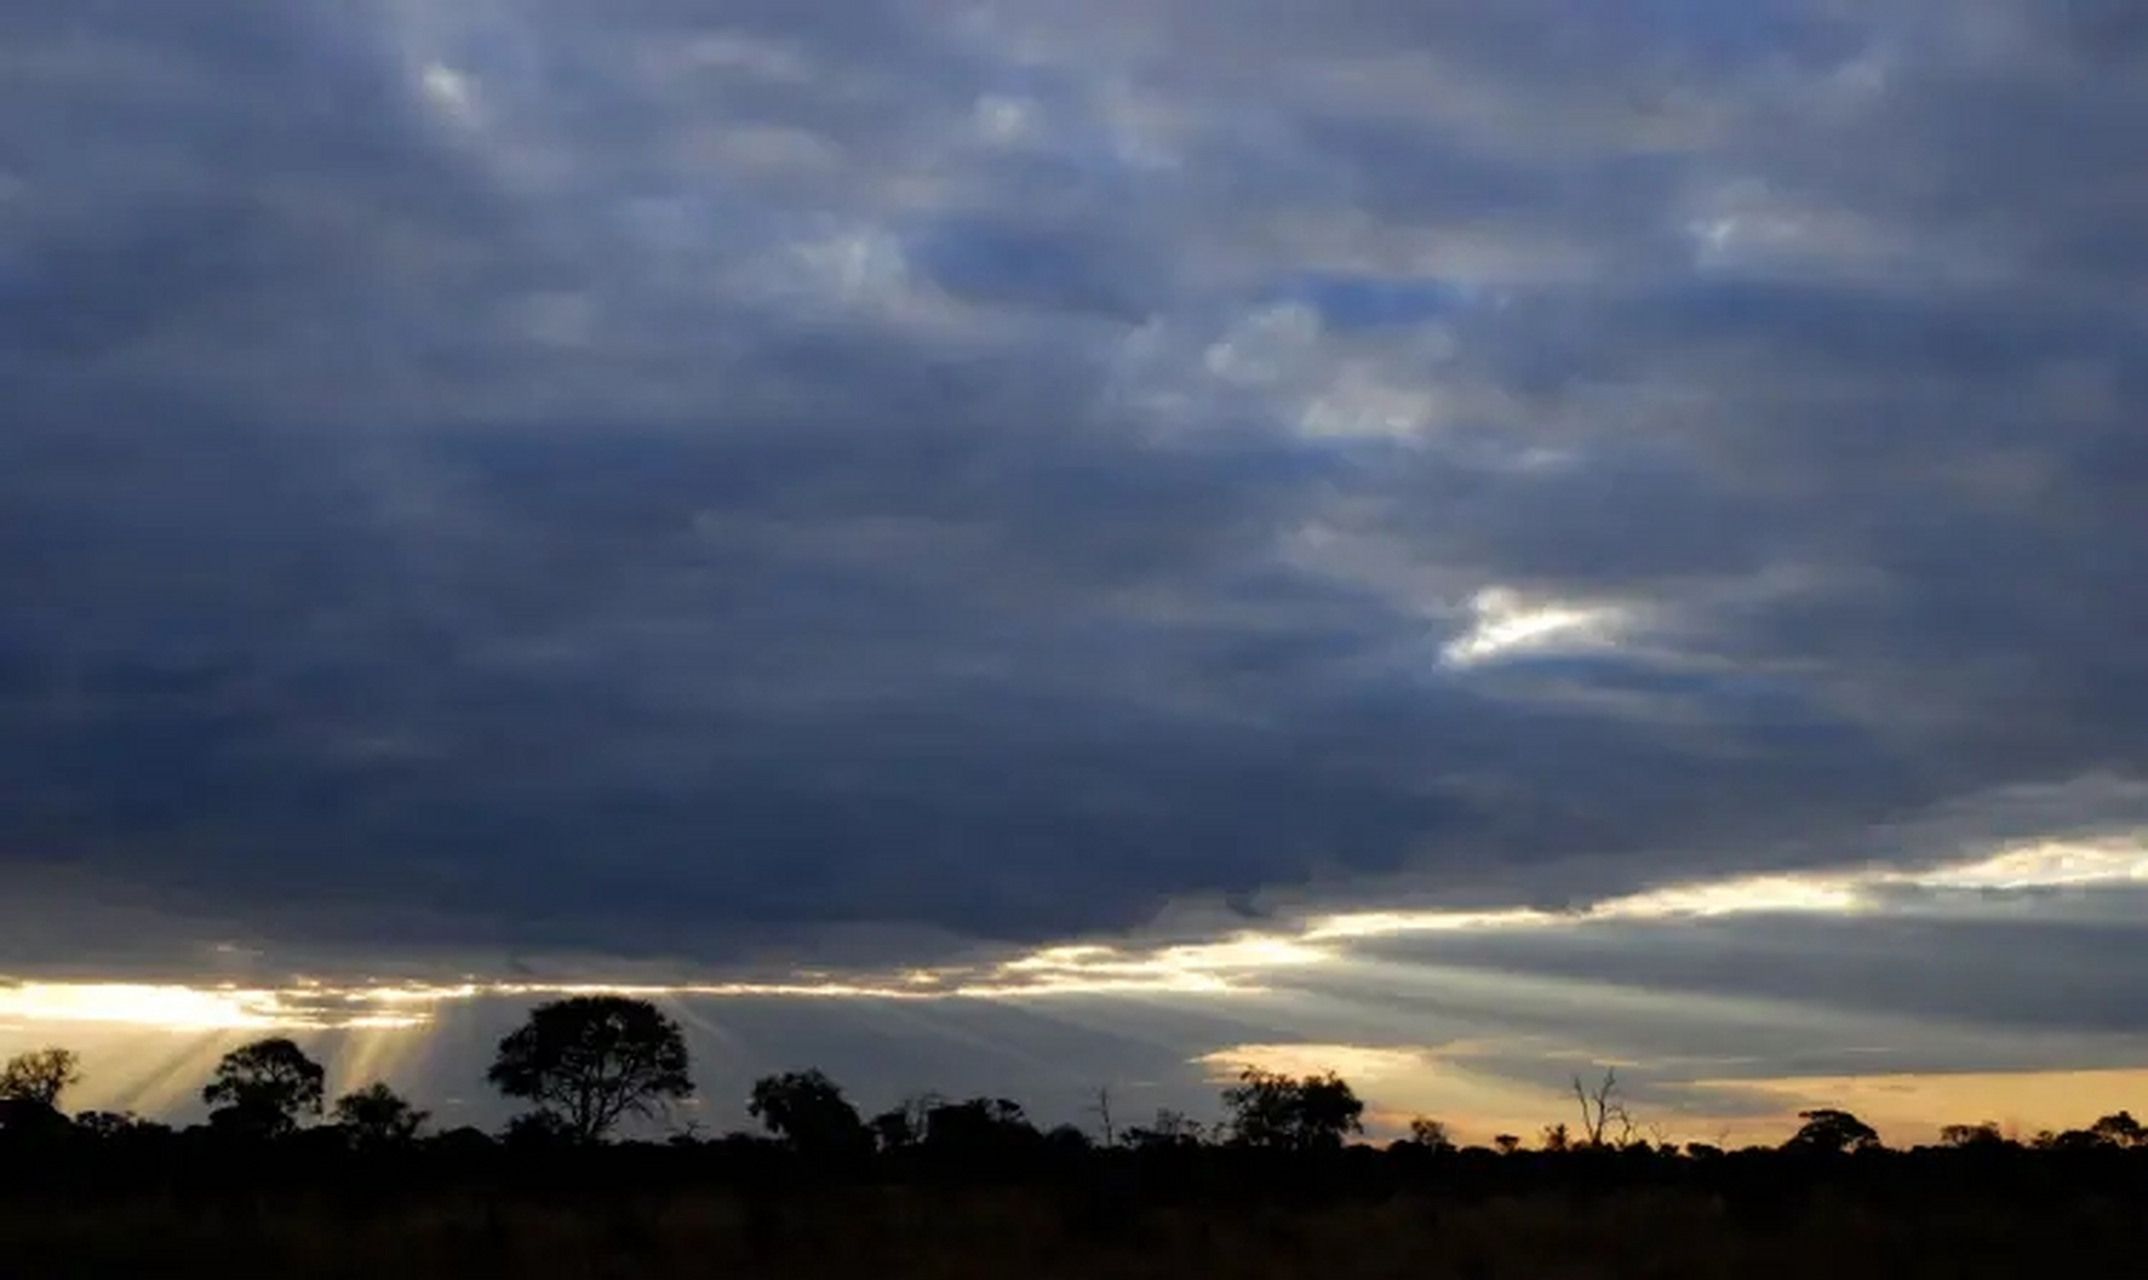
(377, 1116)
(2119, 1130)
(1983, 1134)
(810, 1114)
(1604, 1118)
(1431, 1134)
(1556, 1137)
(592, 1061)
(903, 1125)
(111, 1124)
(1506, 1144)
(1169, 1129)
(461, 1143)
(540, 1128)
(1102, 1108)
(978, 1127)
(40, 1076)
(264, 1089)
(1069, 1141)
(1827, 1129)
(1270, 1109)
(892, 1130)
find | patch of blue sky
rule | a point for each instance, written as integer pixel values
(1066, 269)
(1353, 302)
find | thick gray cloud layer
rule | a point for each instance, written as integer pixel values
(678, 479)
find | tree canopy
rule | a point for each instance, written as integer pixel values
(1830, 1130)
(1270, 1109)
(265, 1088)
(40, 1076)
(589, 1062)
(809, 1113)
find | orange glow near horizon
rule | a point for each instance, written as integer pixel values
(1902, 1106)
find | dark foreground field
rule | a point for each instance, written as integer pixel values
(940, 1188)
(969, 1232)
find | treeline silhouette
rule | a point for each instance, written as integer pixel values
(822, 1185)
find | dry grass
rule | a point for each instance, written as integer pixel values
(944, 1235)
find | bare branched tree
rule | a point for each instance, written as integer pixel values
(1102, 1108)
(1604, 1118)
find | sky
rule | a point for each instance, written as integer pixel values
(1029, 546)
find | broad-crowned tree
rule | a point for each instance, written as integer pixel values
(592, 1061)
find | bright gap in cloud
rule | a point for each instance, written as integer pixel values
(1237, 965)
(450, 90)
(1505, 625)
(1357, 1063)
(2044, 865)
(2050, 865)
(226, 1008)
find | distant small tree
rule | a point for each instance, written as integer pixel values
(592, 1061)
(892, 1130)
(1169, 1129)
(108, 1124)
(539, 1129)
(40, 1076)
(1270, 1109)
(1833, 1131)
(377, 1116)
(978, 1126)
(2119, 1129)
(1506, 1144)
(1983, 1134)
(1109, 1130)
(903, 1125)
(810, 1114)
(1555, 1137)
(1431, 1134)
(265, 1088)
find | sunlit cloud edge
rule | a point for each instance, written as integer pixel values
(1241, 964)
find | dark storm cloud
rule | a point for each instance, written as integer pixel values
(663, 481)
(2025, 975)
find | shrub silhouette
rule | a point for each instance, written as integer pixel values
(377, 1116)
